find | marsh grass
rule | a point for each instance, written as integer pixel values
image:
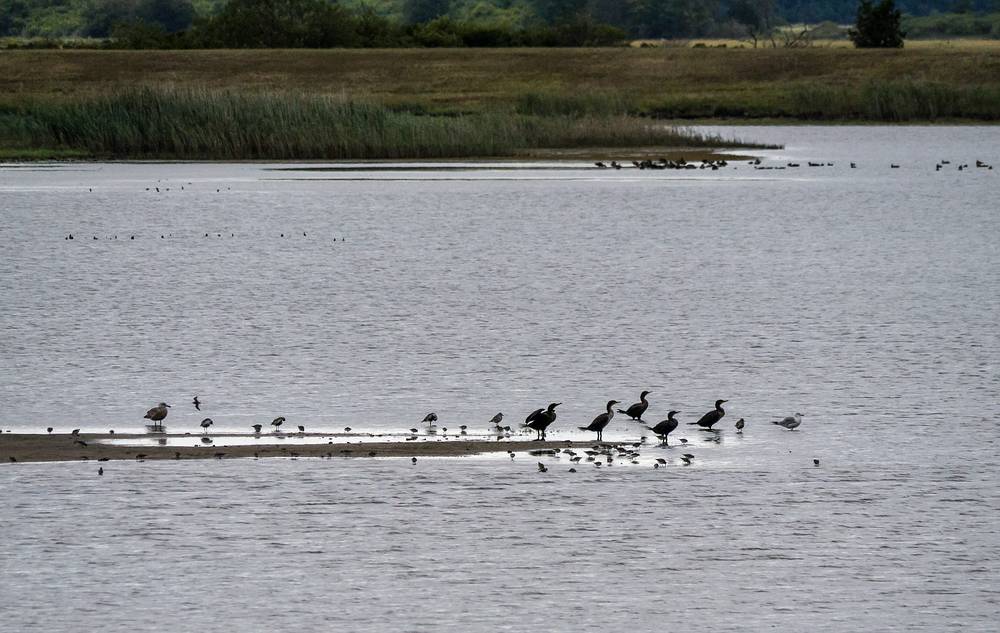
(186, 123)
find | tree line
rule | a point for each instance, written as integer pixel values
(389, 23)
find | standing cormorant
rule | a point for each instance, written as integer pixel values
(666, 427)
(157, 414)
(711, 417)
(602, 421)
(636, 410)
(540, 419)
(791, 422)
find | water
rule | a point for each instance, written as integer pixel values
(865, 298)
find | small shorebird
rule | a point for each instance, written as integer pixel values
(791, 422)
(739, 425)
(277, 422)
(302, 429)
(207, 422)
(256, 428)
(496, 420)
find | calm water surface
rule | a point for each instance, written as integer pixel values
(865, 298)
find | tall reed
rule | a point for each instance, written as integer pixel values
(223, 124)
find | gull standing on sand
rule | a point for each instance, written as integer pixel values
(791, 422)
(601, 421)
(429, 420)
(157, 414)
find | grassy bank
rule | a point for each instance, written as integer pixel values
(184, 123)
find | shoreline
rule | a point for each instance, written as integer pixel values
(63, 447)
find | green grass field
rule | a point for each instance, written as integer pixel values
(490, 101)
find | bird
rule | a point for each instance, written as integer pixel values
(666, 427)
(49, 429)
(256, 428)
(686, 458)
(302, 429)
(790, 422)
(196, 403)
(413, 460)
(207, 422)
(497, 419)
(429, 420)
(815, 462)
(739, 425)
(711, 417)
(277, 422)
(542, 468)
(540, 419)
(157, 414)
(100, 471)
(13, 460)
(77, 431)
(636, 410)
(602, 421)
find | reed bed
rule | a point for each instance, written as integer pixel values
(185, 123)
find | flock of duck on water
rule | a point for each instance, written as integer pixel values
(715, 165)
(538, 420)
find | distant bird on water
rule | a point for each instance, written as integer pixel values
(302, 429)
(666, 427)
(540, 419)
(196, 403)
(791, 422)
(157, 414)
(739, 425)
(277, 422)
(602, 421)
(256, 428)
(711, 417)
(636, 410)
(207, 422)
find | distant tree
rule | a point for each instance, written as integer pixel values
(756, 16)
(277, 24)
(420, 11)
(100, 16)
(13, 16)
(172, 15)
(877, 26)
(559, 11)
(962, 6)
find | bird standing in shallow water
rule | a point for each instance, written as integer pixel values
(277, 422)
(540, 419)
(712, 417)
(207, 422)
(739, 425)
(666, 427)
(601, 421)
(429, 420)
(256, 428)
(791, 422)
(636, 410)
(157, 415)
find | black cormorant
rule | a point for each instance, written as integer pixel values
(636, 410)
(711, 417)
(666, 427)
(602, 421)
(540, 419)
